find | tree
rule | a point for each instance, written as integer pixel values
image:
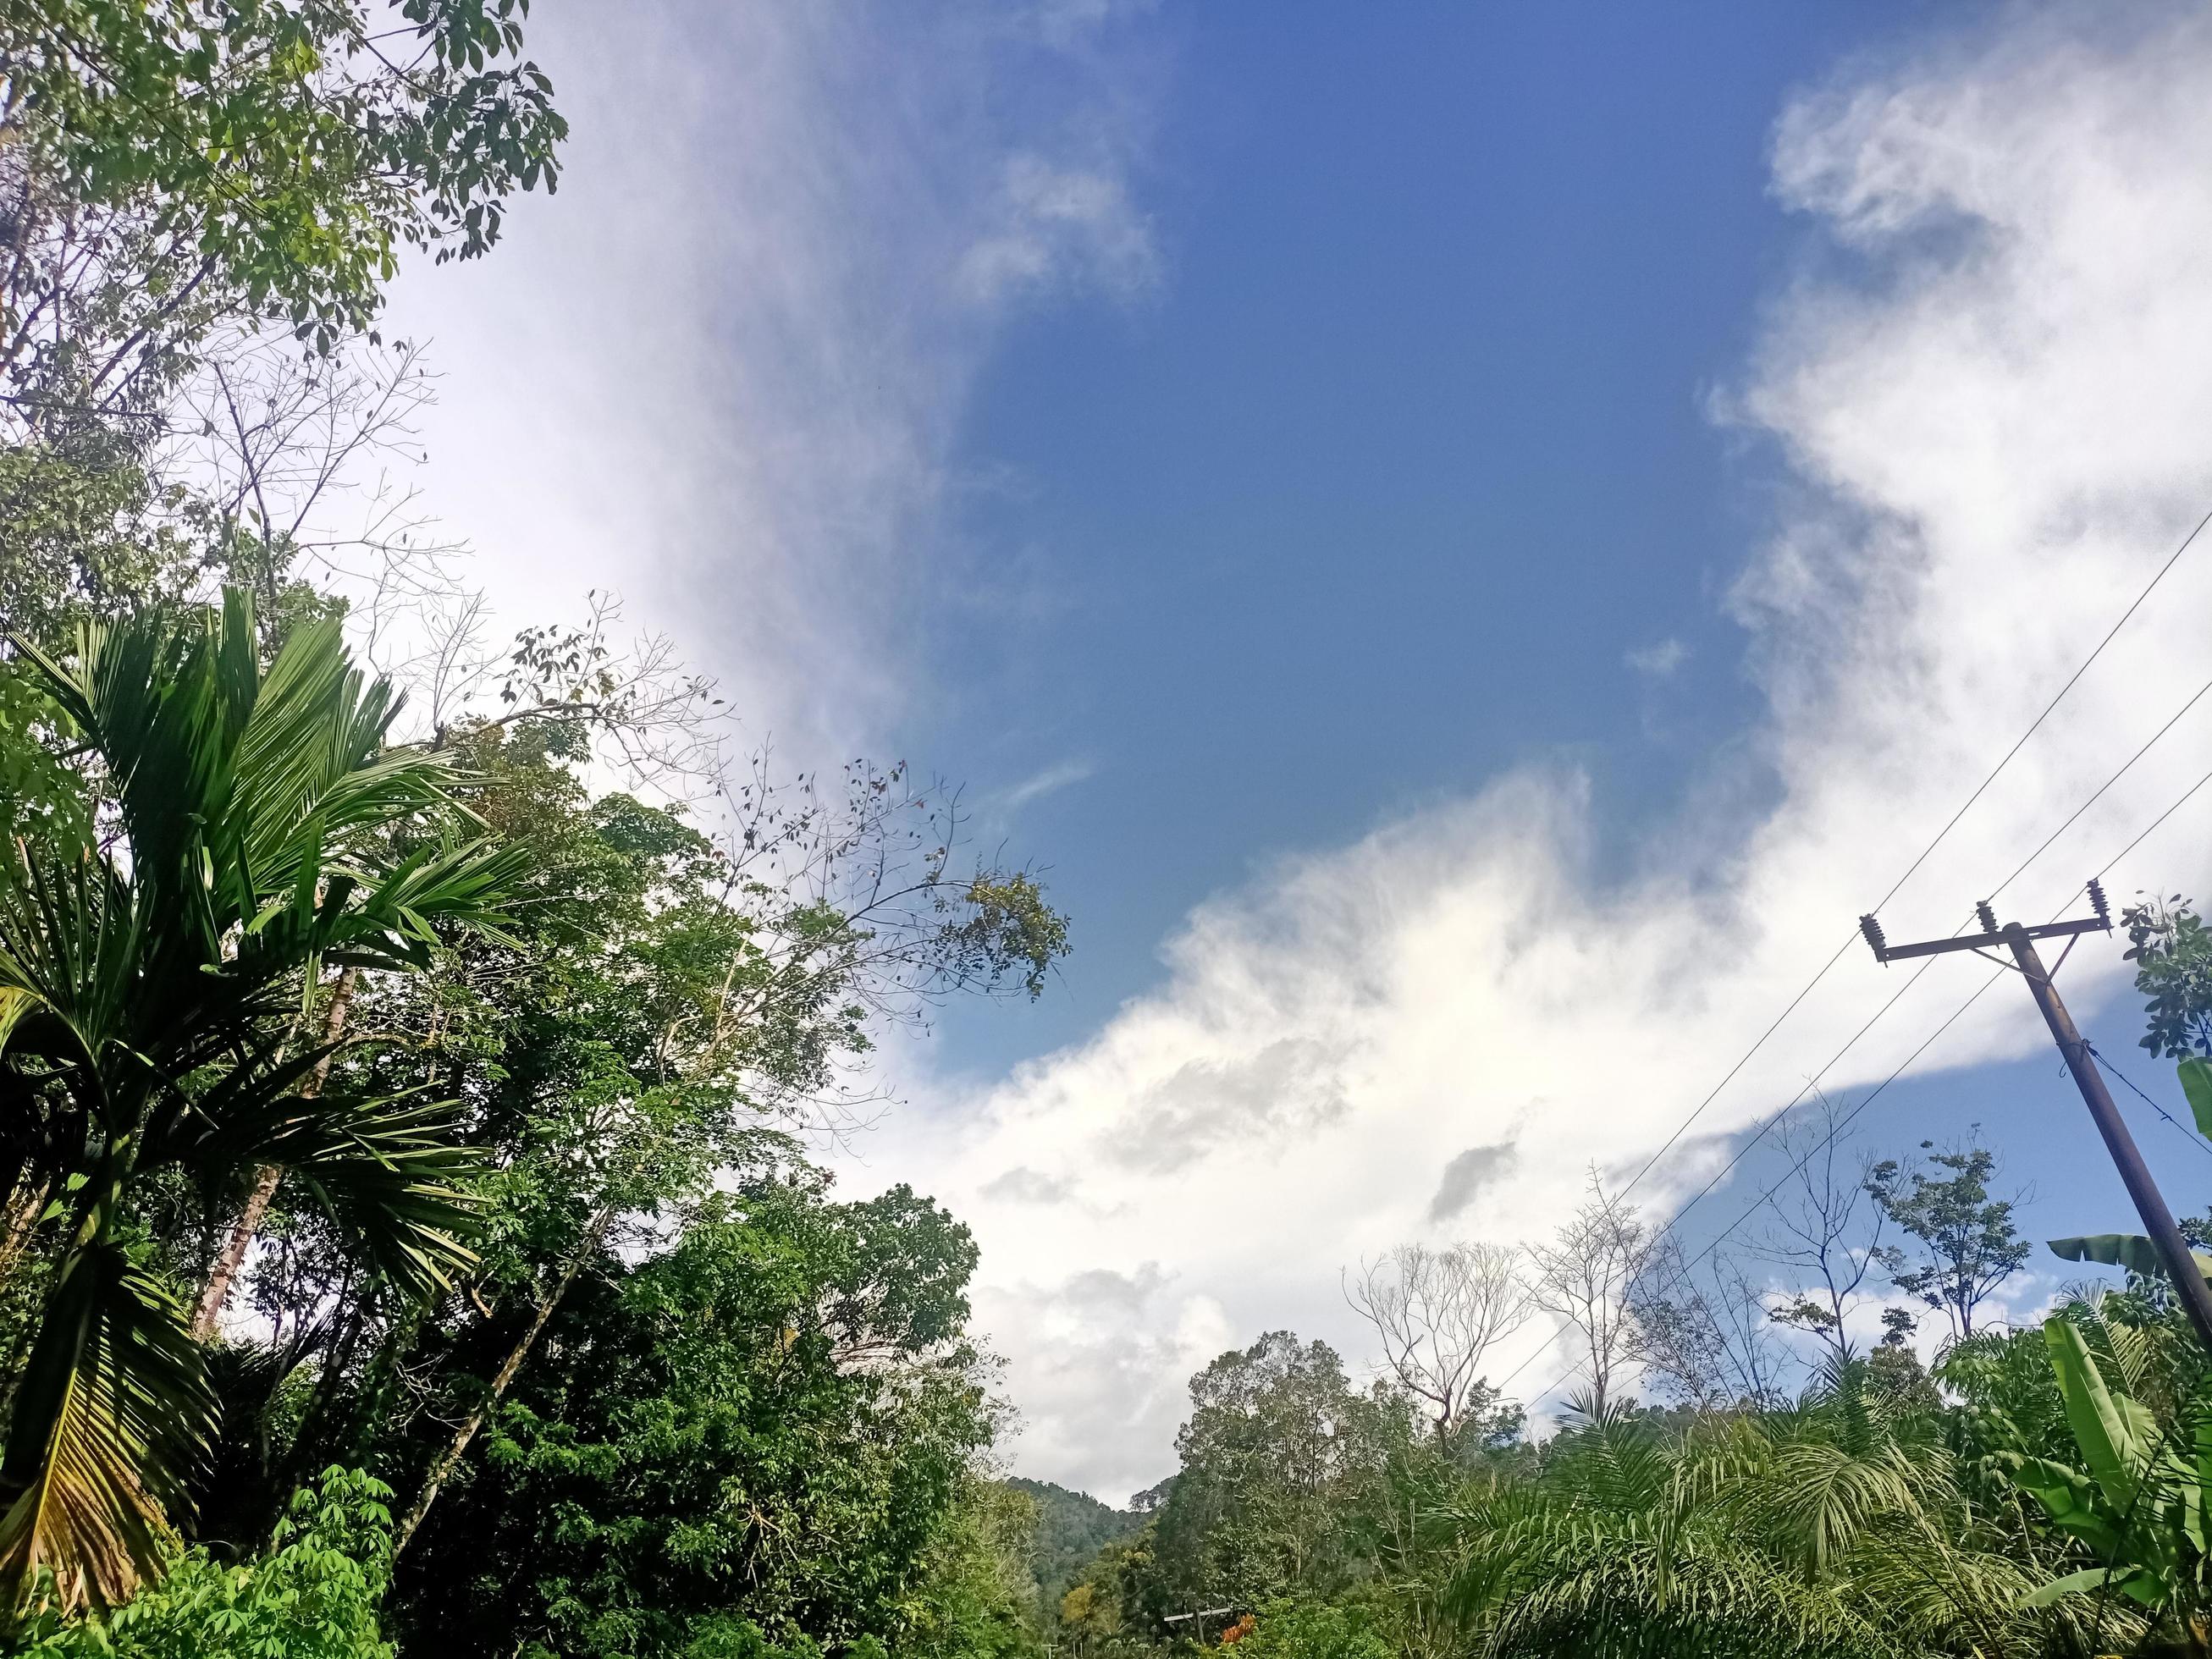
(313, 1596)
(1826, 1232)
(1072, 1529)
(1704, 1343)
(1275, 1429)
(150, 989)
(2172, 953)
(175, 168)
(975, 1597)
(1438, 1313)
(1583, 1277)
(771, 1424)
(1967, 1243)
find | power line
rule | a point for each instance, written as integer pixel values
(2098, 794)
(1952, 1019)
(1951, 823)
(2194, 1139)
(1841, 1124)
(2020, 869)
(1838, 1127)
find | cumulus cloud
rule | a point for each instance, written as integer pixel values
(722, 369)
(1112, 1350)
(1990, 383)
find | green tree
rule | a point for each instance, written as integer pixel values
(1275, 1435)
(1294, 1630)
(150, 986)
(174, 166)
(975, 1596)
(2172, 950)
(773, 1424)
(1966, 1245)
(1072, 1529)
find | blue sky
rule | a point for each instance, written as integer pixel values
(1471, 540)
(1376, 495)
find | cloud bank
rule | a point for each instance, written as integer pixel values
(1990, 383)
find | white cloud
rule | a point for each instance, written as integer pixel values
(721, 369)
(1054, 225)
(1995, 401)
(1659, 659)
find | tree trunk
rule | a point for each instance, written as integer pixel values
(22, 1224)
(233, 1257)
(449, 1460)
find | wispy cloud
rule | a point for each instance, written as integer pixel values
(1658, 660)
(1995, 412)
(721, 371)
(1049, 782)
(1060, 226)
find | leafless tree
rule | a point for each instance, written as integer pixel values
(1438, 1313)
(1583, 1277)
(1702, 1332)
(1827, 1228)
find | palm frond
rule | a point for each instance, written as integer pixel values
(114, 1410)
(388, 1171)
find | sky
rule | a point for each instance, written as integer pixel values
(1470, 543)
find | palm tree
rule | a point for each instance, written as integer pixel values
(1842, 1529)
(154, 990)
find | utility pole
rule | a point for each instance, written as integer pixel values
(2189, 1281)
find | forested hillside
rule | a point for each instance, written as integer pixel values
(1072, 1527)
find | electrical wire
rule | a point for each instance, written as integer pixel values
(1950, 825)
(1845, 1122)
(2195, 1138)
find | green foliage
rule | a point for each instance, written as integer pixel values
(1072, 1529)
(1967, 1243)
(261, 160)
(1294, 1630)
(313, 1596)
(2172, 953)
(975, 1597)
(1275, 1430)
(775, 1420)
(147, 990)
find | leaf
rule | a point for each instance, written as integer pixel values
(2129, 1250)
(2114, 1433)
(2123, 1579)
(2195, 1076)
(113, 1412)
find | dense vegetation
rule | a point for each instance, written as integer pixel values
(408, 1237)
(1071, 1528)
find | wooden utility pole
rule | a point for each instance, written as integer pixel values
(2181, 1266)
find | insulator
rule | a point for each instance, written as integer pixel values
(2097, 902)
(1872, 929)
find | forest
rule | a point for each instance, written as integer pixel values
(417, 1046)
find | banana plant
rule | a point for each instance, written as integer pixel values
(152, 993)
(2138, 1503)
